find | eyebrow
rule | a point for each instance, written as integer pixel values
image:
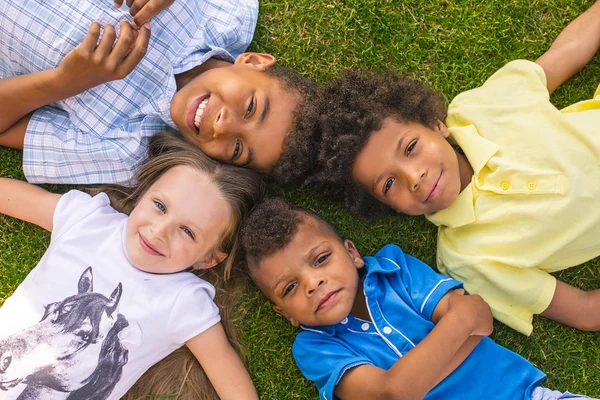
(380, 177)
(249, 158)
(265, 111)
(307, 255)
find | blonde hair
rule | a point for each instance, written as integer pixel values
(180, 375)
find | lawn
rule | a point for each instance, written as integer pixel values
(454, 46)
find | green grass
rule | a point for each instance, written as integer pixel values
(453, 45)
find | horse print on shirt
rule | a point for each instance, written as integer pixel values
(74, 352)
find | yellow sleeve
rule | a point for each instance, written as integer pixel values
(514, 294)
(519, 79)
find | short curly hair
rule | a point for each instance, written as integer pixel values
(271, 226)
(352, 107)
(297, 157)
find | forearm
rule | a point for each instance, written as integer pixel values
(27, 202)
(20, 95)
(423, 367)
(573, 48)
(460, 356)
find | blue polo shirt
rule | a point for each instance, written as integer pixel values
(401, 294)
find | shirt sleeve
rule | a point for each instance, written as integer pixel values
(74, 206)
(423, 285)
(56, 151)
(519, 79)
(194, 311)
(514, 294)
(324, 360)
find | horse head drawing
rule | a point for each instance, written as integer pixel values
(73, 351)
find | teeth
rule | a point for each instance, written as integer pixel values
(200, 112)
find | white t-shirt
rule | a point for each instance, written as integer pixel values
(86, 323)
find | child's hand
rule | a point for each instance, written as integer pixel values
(143, 10)
(93, 63)
(473, 310)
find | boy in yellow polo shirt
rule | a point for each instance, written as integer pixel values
(512, 182)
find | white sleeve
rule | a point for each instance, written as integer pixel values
(73, 207)
(194, 311)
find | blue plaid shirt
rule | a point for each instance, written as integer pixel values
(101, 135)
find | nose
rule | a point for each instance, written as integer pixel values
(313, 282)
(160, 228)
(414, 178)
(226, 123)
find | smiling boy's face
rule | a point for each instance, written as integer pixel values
(313, 280)
(410, 167)
(236, 114)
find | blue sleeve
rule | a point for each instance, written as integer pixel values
(324, 360)
(422, 284)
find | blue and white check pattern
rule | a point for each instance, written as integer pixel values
(101, 135)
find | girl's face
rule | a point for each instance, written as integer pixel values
(177, 223)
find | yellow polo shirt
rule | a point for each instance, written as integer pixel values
(533, 205)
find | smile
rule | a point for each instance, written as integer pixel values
(147, 247)
(327, 300)
(196, 114)
(434, 189)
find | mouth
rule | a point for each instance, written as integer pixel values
(197, 113)
(327, 300)
(434, 188)
(147, 247)
(10, 384)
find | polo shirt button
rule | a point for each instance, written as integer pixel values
(531, 185)
(387, 330)
(344, 321)
(505, 185)
(364, 327)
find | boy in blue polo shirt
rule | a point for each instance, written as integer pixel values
(386, 326)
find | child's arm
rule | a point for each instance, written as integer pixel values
(574, 307)
(572, 49)
(27, 202)
(419, 370)
(222, 364)
(88, 65)
(143, 10)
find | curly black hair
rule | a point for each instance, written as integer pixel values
(271, 226)
(352, 107)
(297, 157)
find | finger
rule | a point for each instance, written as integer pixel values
(459, 291)
(137, 6)
(130, 2)
(137, 52)
(106, 43)
(118, 3)
(90, 41)
(122, 46)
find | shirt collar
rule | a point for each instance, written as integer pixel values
(478, 151)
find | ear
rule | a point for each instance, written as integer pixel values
(441, 128)
(279, 311)
(212, 260)
(259, 61)
(354, 254)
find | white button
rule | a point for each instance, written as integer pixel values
(387, 330)
(365, 327)
(345, 321)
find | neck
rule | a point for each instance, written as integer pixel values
(359, 309)
(186, 77)
(465, 170)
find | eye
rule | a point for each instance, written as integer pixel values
(288, 288)
(160, 206)
(250, 107)
(237, 150)
(388, 185)
(410, 147)
(322, 259)
(187, 232)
